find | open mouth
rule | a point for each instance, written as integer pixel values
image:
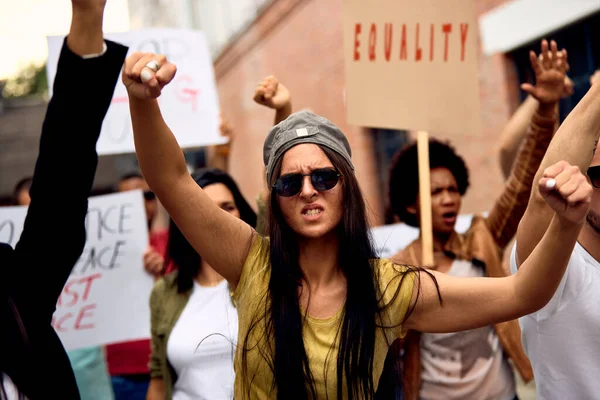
(313, 211)
(449, 217)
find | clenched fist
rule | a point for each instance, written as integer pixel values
(567, 191)
(272, 94)
(145, 74)
(153, 262)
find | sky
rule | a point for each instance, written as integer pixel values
(24, 25)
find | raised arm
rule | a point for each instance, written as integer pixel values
(273, 94)
(222, 239)
(468, 303)
(514, 133)
(574, 142)
(550, 71)
(66, 164)
(516, 128)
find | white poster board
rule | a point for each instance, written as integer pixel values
(390, 239)
(106, 297)
(189, 104)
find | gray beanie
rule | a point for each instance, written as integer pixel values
(303, 127)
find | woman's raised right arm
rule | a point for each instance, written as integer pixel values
(221, 239)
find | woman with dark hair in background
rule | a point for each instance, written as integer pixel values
(317, 309)
(194, 321)
(472, 364)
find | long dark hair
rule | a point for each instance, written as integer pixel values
(179, 251)
(362, 310)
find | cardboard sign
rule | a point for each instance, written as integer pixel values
(189, 104)
(390, 239)
(106, 297)
(412, 64)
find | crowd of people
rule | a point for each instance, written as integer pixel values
(292, 301)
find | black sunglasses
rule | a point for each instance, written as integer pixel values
(149, 195)
(291, 184)
(594, 174)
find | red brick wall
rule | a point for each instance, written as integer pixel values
(301, 43)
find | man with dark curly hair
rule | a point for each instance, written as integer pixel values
(471, 364)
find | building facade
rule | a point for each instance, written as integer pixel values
(300, 41)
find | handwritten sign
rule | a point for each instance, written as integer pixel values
(412, 64)
(189, 104)
(390, 239)
(105, 299)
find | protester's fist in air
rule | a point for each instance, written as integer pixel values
(567, 191)
(153, 262)
(272, 94)
(550, 70)
(145, 74)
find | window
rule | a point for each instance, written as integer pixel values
(582, 41)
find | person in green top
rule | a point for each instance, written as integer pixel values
(317, 310)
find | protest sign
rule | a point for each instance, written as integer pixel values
(189, 104)
(412, 65)
(105, 299)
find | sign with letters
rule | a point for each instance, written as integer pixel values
(189, 104)
(105, 299)
(412, 64)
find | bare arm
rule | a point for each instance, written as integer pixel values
(468, 303)
(272, 94)
(513, 134)
(574, 142)
(222, 239)
(156, 389)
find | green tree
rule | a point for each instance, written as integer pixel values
(29, 81)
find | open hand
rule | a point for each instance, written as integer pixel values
(550, 74)
(141, 80)
(272, 94)
(567, 191)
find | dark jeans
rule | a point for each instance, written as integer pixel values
(130, 387)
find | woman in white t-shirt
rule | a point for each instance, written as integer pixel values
(194, 321)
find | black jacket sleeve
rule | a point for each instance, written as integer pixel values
(53, 235)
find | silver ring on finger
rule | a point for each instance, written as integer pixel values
(153, 65)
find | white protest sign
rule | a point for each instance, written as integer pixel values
(189, 104)
(390, 239)
(105, 300)
(11, 224)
